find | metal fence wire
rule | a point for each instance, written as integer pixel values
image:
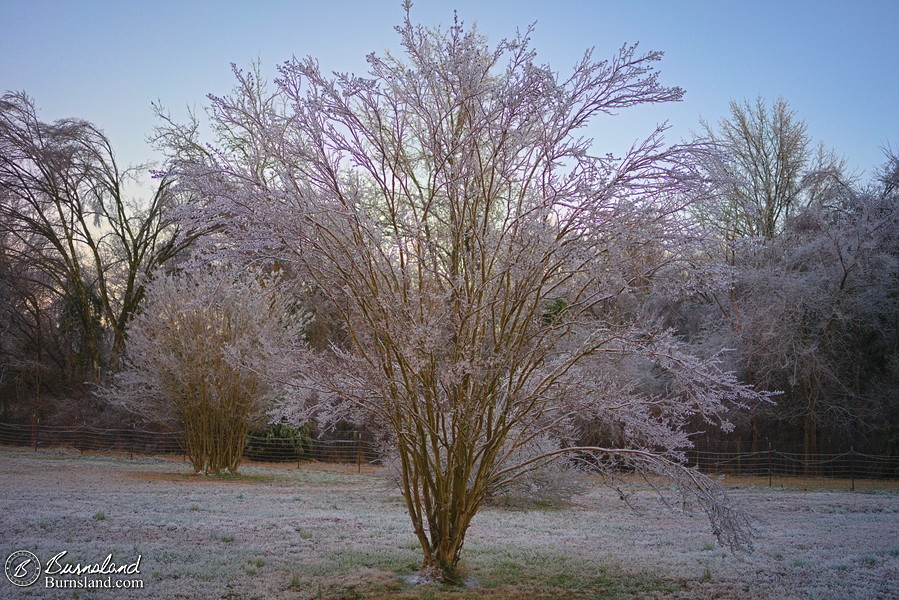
(774, 463)
(352, 447)
(344, 447)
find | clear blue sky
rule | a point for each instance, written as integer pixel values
(105, 61)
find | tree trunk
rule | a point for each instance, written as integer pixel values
(809, 439)
(441, 503)
(442, 559)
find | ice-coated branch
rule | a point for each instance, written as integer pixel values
(484, 264)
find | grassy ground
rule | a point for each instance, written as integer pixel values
(800, 483)
(331, 532)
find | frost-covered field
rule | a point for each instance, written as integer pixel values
(279, 532)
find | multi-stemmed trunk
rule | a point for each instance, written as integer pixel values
(440, 521)
(446, 472)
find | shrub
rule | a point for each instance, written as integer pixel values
(280, 442)
(549, 484)
(197, 356)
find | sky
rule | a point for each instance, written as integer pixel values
(106, 61)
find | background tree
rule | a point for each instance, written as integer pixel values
(770, 168)
(34, 350)
(477, 253)
(812, 312)
(72, 230)
(197, 356)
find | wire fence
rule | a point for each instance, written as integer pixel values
(343, 447)
(352, 447)
(772, 463)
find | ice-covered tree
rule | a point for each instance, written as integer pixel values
(79, 234)
(198, 358)
(770, 168)
(813, 313)
(482, 258)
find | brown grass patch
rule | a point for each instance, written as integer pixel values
(314, 465)
(782, 482)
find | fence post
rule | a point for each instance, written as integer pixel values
(851, 469)
(35, 428)
(708, 456)
(832, 457)
(769, 462)
(358, 437)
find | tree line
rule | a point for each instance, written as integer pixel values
(435, 253)
(807, 307)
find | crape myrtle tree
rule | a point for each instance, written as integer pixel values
(77, 237)
(198, 358)
(476, 250)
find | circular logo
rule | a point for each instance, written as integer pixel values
(22, 568)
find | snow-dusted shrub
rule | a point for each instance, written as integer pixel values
(547, 483)
(197, 357)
